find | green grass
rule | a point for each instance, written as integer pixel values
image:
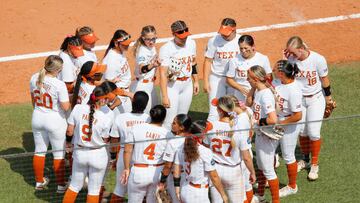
(339, 159)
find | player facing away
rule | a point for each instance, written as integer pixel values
(89, 126)
(227, 156)
(262, 100)
(118, 69)
(180, 128)
(146, 63)
(50, 101)
(220, 49)
(144, 148)
(199, 168)
(178, 73)
(238, 66)
(315, 83)
(289, 96)
(120, 130)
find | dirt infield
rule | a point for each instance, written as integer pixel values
(37, 26)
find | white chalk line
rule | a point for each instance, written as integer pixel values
(205, 35)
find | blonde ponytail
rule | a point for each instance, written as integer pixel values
(52, 63)
(40, 80)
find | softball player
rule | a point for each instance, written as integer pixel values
(289, 97)
(70, 50)
(88, 38)
(226, 154)
(146, 63)
(178, 65)
(238, 66)
(220, 49)
(118, 70)
(120, 130)
(313, 77)
(242, 140)
(146, 144)
(180, 128)
(89, 74)
(89, 126)
(199, 166)
(50, 99)
(262, 100)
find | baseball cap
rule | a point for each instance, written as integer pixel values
(89, 38)
(226, 30)
(180, 29)
(76, 51)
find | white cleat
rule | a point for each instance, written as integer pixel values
(314, 170)
(41, 186)
(287, 190)
(302, 165)
(258, 199)
(277, 161)
(61, 189)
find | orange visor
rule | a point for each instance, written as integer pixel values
(125, 40)
(89, 38)
(76, 51)
(226, 30)
(118, 91)
(97, 68)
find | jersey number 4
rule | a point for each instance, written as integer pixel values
(150, 151)
(42, 99)
(218, 144)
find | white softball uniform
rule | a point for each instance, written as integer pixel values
(85, 91)
(311, 69)
(243, 141)
(263, 104)
(118, 69)
(123, 123)
(48, 119)
(195, 188)
(180, 92)
(227, 161)
(145, 81)
(221, 51)
(289, 97)
(147, 161)
(174, 145)
(238, 67)
(70, 70)
(88, 56)
(89, 157)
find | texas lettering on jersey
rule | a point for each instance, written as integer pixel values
(227, 55)
(241, 73)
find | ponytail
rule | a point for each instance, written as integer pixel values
(191, 149)
(117, 35)
(40, 80)
(70, 40)
(85, 69)
(52, 63)
(92, 111)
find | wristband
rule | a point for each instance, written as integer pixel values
(177, 182)
(113, 155)
(327, 90)
(145, 69)
(262, 122)
(69, 138)
(163, 178)
(194, 70)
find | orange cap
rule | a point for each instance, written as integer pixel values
(97, 68)
(226, 30)
(89, 38)
(76, 51)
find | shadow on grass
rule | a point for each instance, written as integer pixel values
(196, 115)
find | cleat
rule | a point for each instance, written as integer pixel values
(313, 174)
(277, 161)
(61, 189)
(302, 165)
(41, 186)
(258, 199)
(287, 190)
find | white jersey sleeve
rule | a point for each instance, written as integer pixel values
(267, 65)
(70, 70)
(322, 67)
(232, 66)
(207, 157)
(268, 102)
(164, 56)
(72, 118)
(210, 49)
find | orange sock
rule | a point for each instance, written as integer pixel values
(304, 145)
(315, 151)
(70, 196)
(39, 165)
(92, 199)
(249, 195)
(274, 189)
(292, 173)
(261, 183)
(116, 199)
(59, 169)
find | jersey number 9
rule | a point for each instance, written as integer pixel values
(85, 133)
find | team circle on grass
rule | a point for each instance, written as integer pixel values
(82, 103)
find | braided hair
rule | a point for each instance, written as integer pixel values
(98, 91)
(70, 40)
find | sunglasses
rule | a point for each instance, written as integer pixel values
(182, 31)
(150, 39)
(124, 38)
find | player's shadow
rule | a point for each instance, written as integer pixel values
(196, 115)
(21, 162)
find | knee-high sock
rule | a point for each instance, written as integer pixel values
(274, 189)
(70, 196)
(315, 151)
(292, 174)
(59, 169)
(39, 165)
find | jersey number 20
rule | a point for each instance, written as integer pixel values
(42, 100)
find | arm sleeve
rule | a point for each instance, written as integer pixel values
(115, 130)
(321, 66)
(130, 136)
(141, 57)
(267, 66)
(67, 73)
(241, 139)
(71, 120)
(210, 49)
(177, 158)
(209, 162)
(164, 56)
(231, 69)
(169, 154)
(268, 103)
(295, 102)
(63, 93)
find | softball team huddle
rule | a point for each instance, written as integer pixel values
(82, 103)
